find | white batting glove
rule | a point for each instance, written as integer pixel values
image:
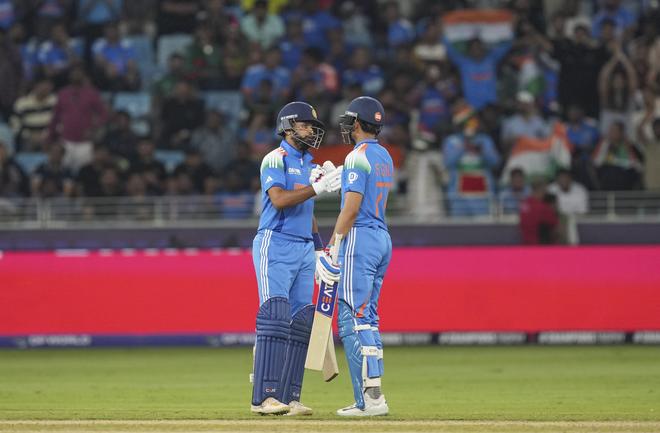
(317, 173)
(330, 182)
(327, 272)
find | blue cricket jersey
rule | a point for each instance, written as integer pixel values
(368, 170)
(288, 168)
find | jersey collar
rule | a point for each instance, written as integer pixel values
(293, 152)
(368, 140)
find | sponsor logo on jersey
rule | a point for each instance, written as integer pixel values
(293, 170)
(269, 179)
(352, 177)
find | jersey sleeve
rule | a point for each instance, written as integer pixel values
(356, 171)
(272, 171)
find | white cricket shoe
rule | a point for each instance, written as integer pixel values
(296, 408)
(372, 407)
(270, 406)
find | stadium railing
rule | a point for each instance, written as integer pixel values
(239, 211)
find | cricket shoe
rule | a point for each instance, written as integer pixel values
(372, 407)
(296, 408)
(270, 406)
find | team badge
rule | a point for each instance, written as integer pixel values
(378, 116)
(314, 114)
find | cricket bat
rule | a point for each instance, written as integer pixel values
(321, 351)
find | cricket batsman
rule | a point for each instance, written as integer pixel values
(284, 257)
(365, 252)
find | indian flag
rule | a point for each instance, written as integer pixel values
(492, 26)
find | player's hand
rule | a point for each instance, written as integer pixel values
(318, 254)
(327, 272)
(329, 182)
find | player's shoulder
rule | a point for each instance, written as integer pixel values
(357, 159)
(274, 159)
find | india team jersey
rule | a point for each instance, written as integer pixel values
(368, 170)
(288, 168)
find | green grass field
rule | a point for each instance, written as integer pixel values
(466, 389)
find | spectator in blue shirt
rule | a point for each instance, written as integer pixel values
(623, 19)
(478, 70)
(114, 62)
(316, 23)
(513, 194)
(363, 72)
(93, 15)
(399, 30)
(293, 44)
(56, 55)
(583, 134)
(7, 14)
(270, 69)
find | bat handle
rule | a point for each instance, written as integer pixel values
(334, 252)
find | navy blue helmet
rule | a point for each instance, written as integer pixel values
(297, 111)
(365, 109)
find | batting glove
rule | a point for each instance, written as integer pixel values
(326, 271)
(330, 182)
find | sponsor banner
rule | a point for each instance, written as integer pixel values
(388, 338)
(426, 290)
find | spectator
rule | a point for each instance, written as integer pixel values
(339, 51)
(363, 72)
(78, 115)
(581, 61)
(7, 14)
(56, 55)
(32, 115)
(28, 49)
(235, 59)
(164, 86)
(293, 44)
(119, 139)
(271, 69)
(430, 47)
(572, 197)
(146, 165)
(263, 100)
(234, 202)
(48, 14)
(52, 178)
(181, 114)
(355, 23)
(525, 123)
(617, 84)
(177, 16)
(114, 62)
(617, 161)
(471, 158)
(539, 222)
(261, 27)
(219, 18)
(313, 68)
(515, 193)
(11, 74)
(317, 23)
(612, 11)
(13, 181)
(648, 133)
(259, 135)
(195, 167)
(88, 179)
(399, 30)
(138, 18)
(245, 169)
(214, 141)
(135, 205)
(93, 16)
(583, 135)
(204, 59)
(478, 70)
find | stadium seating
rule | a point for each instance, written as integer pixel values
(170, 44)
(229, 103)
(170, 158)
(144, 54)
(29, 161)
(138, 105)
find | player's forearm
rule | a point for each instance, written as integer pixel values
(345, 222)
(284, 198)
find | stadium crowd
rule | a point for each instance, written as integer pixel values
(104, 98)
